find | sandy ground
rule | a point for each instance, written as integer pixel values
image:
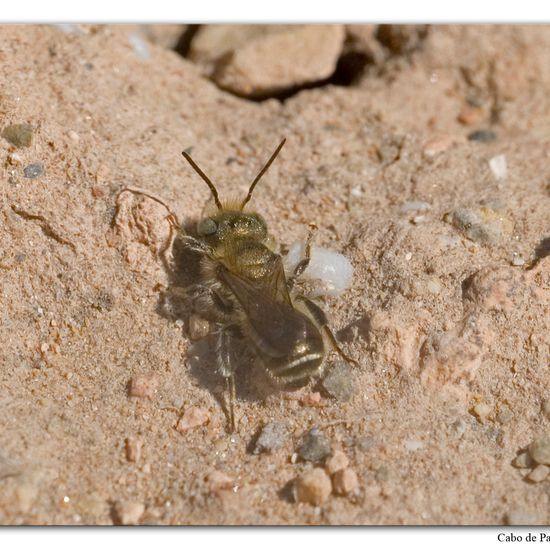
(447, 314)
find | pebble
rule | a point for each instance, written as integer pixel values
(19, 135)
(523, 460)
(482, 411)
(345, 482)
(470, 115)
(305, 53)
(144, 385)
(198, 327)
(483, 225)
(518, 260)
(413, 445)
(401, 39)
(546, 408)
(315, 447)
(193, 417)
(271, 438)
(128, 512)
(483, 136)
(538, 474)
(522, 517)
(439, 144)
(414, 206)
(336, 462)
(140, 47)
(313, 487)
(133, 448)
(338, 382)
(33, 170)
(539, 449)
(366, 443)
(498, 167)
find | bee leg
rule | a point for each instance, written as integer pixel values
(321, 319)
(226, 367)
(194, 245)
(304, 262)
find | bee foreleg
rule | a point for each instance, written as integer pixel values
(194, 245)
(225, 349)
(303, 264)
(321, 319)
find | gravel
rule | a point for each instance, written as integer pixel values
(338, 382)
(271, 438)
(315, 447)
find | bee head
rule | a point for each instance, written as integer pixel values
(232, 224)
(231, 221)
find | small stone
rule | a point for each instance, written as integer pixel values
(144, 385)
(498, 167)
(73, 135)
(313, 487)
(433, 286)
(413, 445)
(128, 512)
(401, 39)
(545, 407)
(414, 206)
(271, 438)
(15, 159)
(483, 136)
(470, 115)
(337, 461)
(310, 399)
(518, 260)
(345, 482)
(133, 449)
(198, 327)
(315, 447)
(523, 460)
(193, 418)
(33, 170)
(19, 135)
(540, 473)
(483, 225)
(482, 411)
(522, 517)
(439, 144)
(539, 449)
(338, 382)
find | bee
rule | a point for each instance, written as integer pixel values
(244, 282)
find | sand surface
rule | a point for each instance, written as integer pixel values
(448, 313)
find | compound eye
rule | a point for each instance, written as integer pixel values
(207, 226)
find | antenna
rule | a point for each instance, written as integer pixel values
(205, 178)
(262, 172)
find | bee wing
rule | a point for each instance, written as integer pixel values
(273, 324)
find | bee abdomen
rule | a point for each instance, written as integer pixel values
(297, 369)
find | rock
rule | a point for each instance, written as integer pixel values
(305, 54)
(271, 438)
(483, 136)
(538, 474)
(128, 512)
(33, 170)
(498, 167)
(482, 225)
(19, 135)
(523, 460)
(492, 289)
(313, 487)
(545, 407)
(133, 448)
(193, 417)
(338, 382)
(144, 385)
(440, 143)
(337, 461)
(219, 481)
(315, 447)
(470, 115)
(482, 411)
(539, 449)
(413, 445)
(345, 482)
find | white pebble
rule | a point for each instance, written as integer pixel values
(140, 47)
(518, 260)
(498, 167)
(331, 268)
(413, 445)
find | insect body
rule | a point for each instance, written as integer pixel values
(244, 280)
